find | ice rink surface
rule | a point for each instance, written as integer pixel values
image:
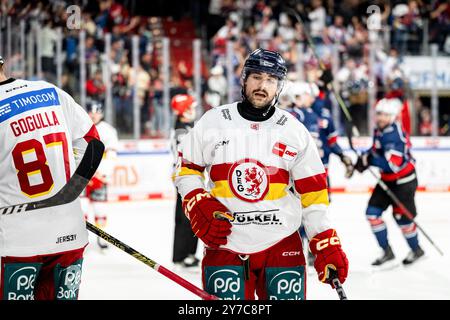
(148, 226)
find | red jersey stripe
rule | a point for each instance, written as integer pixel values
(187, 164)
(311, 184)
(395, 176)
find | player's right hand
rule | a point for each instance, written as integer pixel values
(362, 163)
(210, 219)
(326, 247)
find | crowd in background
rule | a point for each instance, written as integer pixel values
(332, 25)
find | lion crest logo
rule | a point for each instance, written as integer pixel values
(254, 177)
(249, 180)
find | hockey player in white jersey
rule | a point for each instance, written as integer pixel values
(44, 136)
(253, 152)
(97, 189)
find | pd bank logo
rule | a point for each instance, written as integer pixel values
(225, 282)
(285, 283)
(20, 280)
(69, 281)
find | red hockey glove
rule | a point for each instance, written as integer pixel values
(326, 246)
(210, 219)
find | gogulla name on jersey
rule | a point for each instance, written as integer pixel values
(34, 122)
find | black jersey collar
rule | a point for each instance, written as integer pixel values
(7, 81)
(249, 112)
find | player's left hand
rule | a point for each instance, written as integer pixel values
(349, 168)
(326, 246)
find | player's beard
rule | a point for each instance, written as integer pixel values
(260, 98)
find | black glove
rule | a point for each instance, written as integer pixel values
(362, 163)
(349, 168)
(326, 77)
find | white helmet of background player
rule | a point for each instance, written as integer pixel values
(304, 93)
(286, 98)
(300, 88)
(392, 107)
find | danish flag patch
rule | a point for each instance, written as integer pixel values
(284, 151)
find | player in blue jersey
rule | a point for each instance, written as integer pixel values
(309, 108)
(391, 153)
(328, 135)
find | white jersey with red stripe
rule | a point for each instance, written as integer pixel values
(108, 135)
(44, 136)
(251, 166)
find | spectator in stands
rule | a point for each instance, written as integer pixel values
(425, 124)
(229, 30)
(286, 29)
(357, 38)
(440, 23)
(143, 84)
(47, 41)
(317, 17)
(217, 86)
(95, 87)
(406, 27)
(353, 79)
(266, 28)
(336, 34)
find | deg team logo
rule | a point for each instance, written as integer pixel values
(249, 180)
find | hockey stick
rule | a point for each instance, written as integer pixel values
(73, 188)
(149, 262)
(352, 130)
(333, 278)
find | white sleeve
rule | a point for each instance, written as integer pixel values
(190, 163)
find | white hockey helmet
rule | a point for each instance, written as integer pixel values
(286, 95)
(301, 88)
(389, 106)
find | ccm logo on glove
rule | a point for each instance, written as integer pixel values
(193, 201)
(210, 219)
(326, 246)
(322, 244)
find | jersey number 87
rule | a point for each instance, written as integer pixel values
(40, 165)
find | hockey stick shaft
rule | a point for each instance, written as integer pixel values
(73, 188)
(149, 262)
(339, 289)
(403, 209)
(333, 279)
